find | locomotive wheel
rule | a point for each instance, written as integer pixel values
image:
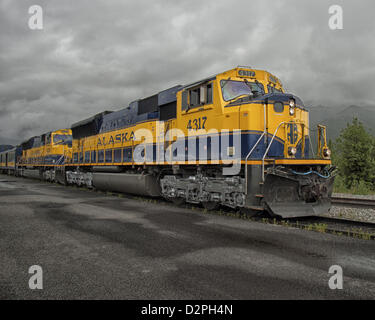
(211, 205)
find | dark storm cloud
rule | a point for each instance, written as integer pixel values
(100, 55)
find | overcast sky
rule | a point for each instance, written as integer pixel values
(95, 55)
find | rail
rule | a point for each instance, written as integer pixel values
(355, 202)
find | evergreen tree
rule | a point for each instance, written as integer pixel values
(354, 154)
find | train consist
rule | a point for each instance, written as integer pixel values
(234, 139)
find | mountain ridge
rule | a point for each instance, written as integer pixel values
(336, 119)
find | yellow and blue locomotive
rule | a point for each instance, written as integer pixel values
(44, 156)
(234, 139)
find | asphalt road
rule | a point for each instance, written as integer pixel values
(92, 245)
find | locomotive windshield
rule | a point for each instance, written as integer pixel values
(232, 89)
(65, 139)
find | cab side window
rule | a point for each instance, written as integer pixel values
(197, 96)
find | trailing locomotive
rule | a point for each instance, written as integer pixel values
(44, 156)
(234, 139)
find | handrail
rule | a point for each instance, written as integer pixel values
(321, 136)
(59, 160)
(252, 149)
(269, 146)
(311, 146)
(247, 157)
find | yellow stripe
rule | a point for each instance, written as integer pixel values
(251, 162)
(304, 161)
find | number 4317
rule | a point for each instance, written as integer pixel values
(196, 124)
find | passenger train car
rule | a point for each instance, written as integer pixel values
(9, 159)
(235, 139)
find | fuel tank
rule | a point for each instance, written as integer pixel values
(138, 184)
(32, 173)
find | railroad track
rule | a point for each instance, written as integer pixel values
(357, 229)
(354, 202)
(338, 226)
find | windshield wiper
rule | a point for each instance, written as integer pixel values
(242, 96)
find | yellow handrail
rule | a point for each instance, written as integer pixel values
(321, 144)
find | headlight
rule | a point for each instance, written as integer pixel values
(292, 151)
(326, 153)
(292, 105)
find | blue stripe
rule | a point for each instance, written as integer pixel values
(247, 141)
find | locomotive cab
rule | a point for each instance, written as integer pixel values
(61, 145)
(56, 145)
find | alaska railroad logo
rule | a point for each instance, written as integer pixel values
(118, 138)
